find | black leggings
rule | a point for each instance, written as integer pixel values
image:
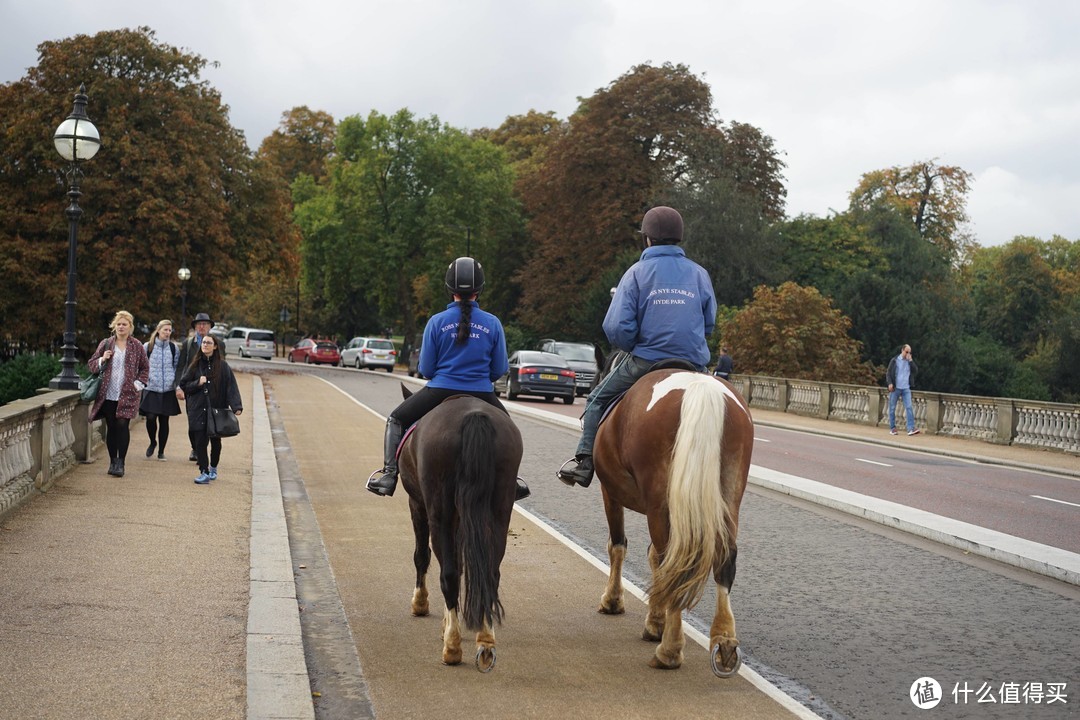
(161, 433)
(199, 441)
(117, 435)
(425, 399)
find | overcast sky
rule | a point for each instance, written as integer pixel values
(842, 87)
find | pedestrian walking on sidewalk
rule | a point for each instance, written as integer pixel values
(208, 382)
(463, 352)
(159, 401)
(901, 378)
(124, 372)
(189, 349)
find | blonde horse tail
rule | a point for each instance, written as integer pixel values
(699, 515)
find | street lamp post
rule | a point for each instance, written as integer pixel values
(76, 139)
(184, 274)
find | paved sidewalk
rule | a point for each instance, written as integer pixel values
(129, 597)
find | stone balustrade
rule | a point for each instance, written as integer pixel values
(1050, 426)
(40, 439)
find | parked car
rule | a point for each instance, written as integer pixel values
(533, 372)
(220, 331)
(582, 359)
(365, 352)
(312, 351)
(250, 342)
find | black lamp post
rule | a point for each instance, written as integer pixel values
(76, 139)
(184, 274)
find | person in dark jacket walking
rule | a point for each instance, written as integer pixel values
(208, 381)
(664, 307)
(724, 364)
(189, 349)
(901, 378)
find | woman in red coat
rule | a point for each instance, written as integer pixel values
(124, 372)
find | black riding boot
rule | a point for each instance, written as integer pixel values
(386, 483)
(582, 474)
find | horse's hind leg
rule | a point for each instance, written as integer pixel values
(485, 649)
(451, 631)
(723, 643)
(421, 558)
(611, 602)
(669, 653)
(654, 621)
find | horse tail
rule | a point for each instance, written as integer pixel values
(475, 480)
(699, 515)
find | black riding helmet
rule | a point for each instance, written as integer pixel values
(464, 277)
(662, 224)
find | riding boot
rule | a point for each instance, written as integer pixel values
(582, 474)
(522, 491)
(386, 483)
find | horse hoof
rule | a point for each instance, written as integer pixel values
(611, 608)
(673, 664)
(485, 659)
(451, 657)
(729, 658)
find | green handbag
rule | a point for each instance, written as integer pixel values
(89, 386)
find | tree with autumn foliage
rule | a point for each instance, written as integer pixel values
(632, 144)
(174, 184)
(933, 196)
(795, 332)
(301, 144)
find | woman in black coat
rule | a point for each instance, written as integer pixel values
(208, 381)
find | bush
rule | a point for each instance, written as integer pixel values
(21, 376)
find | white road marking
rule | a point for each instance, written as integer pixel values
(874, 462)
(1063, 502)
(761, 439)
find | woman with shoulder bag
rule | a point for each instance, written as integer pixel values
(159, 401)
(208, 382)
(124, 372)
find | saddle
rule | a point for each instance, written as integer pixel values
(665, 364)
(409, 430)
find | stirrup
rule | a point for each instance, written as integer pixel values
(377, 484)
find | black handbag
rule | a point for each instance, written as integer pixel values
(221, 422)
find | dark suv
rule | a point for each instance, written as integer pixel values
(581, 356)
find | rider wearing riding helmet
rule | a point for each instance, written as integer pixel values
(462, 353)
(663, 308)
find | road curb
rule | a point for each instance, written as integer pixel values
(277, 676)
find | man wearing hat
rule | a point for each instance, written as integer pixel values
(664, 307)
(189, 349)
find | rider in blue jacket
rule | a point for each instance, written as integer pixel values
(663, 308)
(462, 353)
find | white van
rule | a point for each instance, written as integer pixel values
(250, 342)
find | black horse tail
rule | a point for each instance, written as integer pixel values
(475, 492)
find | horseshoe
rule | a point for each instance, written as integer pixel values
(721, 672)
(479, 652)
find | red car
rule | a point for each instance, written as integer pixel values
(311, 351)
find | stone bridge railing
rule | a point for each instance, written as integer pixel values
(40, 439)
(1051, 426)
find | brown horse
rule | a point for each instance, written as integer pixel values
(459, 467)
(677, 449)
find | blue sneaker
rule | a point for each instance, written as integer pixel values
(212, 473)
(203, 479)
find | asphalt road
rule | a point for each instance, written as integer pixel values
(840, 613)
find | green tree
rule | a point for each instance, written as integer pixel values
(404, 197)
(826, 252)
(174, 183)
(795, 332)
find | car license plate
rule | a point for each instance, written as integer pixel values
(380, 356)
(545, 376)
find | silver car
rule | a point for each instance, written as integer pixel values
(367, 352)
